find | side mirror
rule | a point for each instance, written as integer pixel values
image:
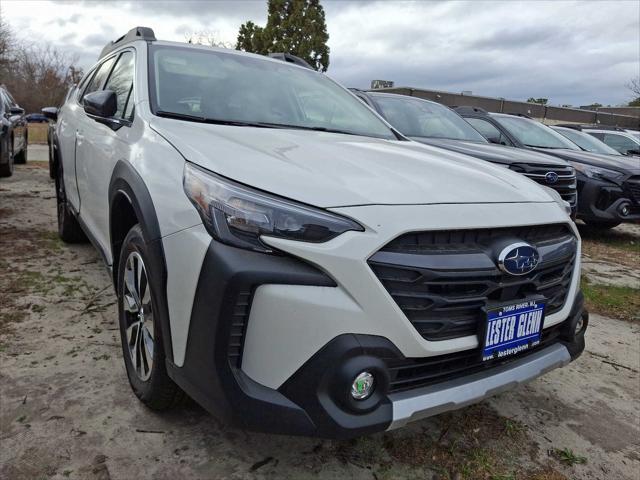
(633, 152)
(16, 110)
(494, 140)
(51, 113)
(102, 104)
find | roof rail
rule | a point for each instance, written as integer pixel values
(593, 126)
(523, 115)
(572, 126)
(287, 57)
(467, 109)
(137, 33)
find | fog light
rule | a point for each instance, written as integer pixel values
(624, 209)
(362, 386)
(579, 325)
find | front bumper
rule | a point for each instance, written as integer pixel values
(312, 401)
(604, 201)
(433, 400)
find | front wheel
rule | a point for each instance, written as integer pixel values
(140, 330)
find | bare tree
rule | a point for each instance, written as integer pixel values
(37, 75)
(634, 86)
(7, 47)
(205, 37)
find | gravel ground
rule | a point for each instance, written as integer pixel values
(66, 410)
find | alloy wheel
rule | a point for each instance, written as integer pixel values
(138, 314)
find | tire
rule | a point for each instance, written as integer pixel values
(21, 157)
(602, 226)
(140, 330)
(6, 169)
(52, 168)
(69, 229)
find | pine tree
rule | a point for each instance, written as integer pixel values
(293, 26)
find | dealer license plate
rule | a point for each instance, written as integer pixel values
(512, 329)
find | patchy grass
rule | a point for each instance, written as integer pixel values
(612, 301)
(51, 241)
(547, 473)
(613, 245)
(474, 444)
(567, 456)
(9, 318)
(38, 133)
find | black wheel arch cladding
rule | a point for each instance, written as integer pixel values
(127, 183)
(208, 375)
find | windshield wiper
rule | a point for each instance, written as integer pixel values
(214, 121)
(306, 127)
(541, 146)
(180, 116)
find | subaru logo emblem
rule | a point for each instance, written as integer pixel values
(518, 259)
(551, 177)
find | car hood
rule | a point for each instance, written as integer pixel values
(619, 163)
(334, 170)
(493, 153)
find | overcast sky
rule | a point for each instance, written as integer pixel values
(570, 52)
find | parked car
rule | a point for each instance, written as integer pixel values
(434, 124)
(286, 258)
(51, 113)
(617, 138)
(36, 118)
(13, 133)
(608, 186)
(585, 141)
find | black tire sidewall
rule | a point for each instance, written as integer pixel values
(6, 169)
(69, 229)
(61, 203)
(148, 390)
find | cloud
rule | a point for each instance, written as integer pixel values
(570, 52)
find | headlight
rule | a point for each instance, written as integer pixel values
(597, 172)
(558, 199)
(239, 215)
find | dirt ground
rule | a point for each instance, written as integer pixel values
(66, 410)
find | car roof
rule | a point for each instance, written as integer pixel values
(230, 51)
(147, 35)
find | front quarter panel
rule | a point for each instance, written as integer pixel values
(161, 167)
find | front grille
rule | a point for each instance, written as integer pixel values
(443, 280)
(632, 185)
(411, 373)
(565, 185)
(241, 310)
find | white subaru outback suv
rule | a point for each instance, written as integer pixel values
(288, 260)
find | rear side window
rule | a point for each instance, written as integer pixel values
(99, 77)
(121, 82)
(620, 142)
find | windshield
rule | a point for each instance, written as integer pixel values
(534, 134)
(586, 141)
(419, 118)
(201, 85)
